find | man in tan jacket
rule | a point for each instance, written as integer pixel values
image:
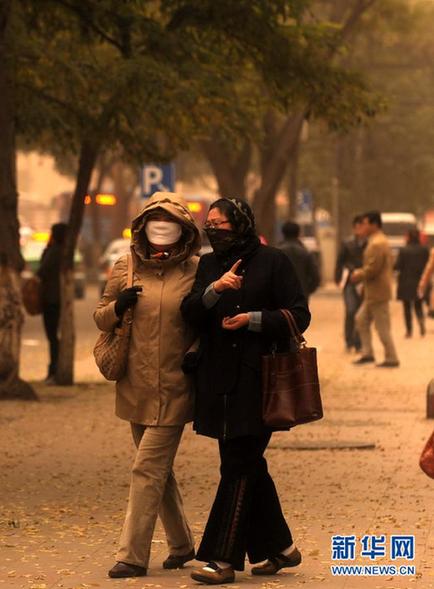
(376, 275)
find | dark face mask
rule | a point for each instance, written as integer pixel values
(221, 240)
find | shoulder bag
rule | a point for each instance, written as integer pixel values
(111, 348)
(31, 295)
(290, 384)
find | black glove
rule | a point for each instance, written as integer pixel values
(190, 362)
(126, 298)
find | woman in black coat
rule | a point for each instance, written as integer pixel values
(234, 304)
(410, 265)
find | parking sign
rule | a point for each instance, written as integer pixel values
(157, 178)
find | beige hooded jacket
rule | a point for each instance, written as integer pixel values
(154, 390)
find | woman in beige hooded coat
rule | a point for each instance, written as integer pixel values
(154, 395)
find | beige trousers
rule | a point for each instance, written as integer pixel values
(154, 491)
(379, 313)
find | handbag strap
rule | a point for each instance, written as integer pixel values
(129, 271)
(127, 318)
(293, 328)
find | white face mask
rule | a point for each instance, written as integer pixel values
(163, 232)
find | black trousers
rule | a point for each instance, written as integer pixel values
(51, 317)
(417, 303)
(246, 516)
(352, 301)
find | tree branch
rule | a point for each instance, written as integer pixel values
(83, 16)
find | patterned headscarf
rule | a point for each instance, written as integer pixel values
(238, 213)
(241, 217)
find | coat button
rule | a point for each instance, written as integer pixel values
(234, 345)
(238, 307)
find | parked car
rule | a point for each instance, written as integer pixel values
(396, 227)
(32, 249)
(114, 250)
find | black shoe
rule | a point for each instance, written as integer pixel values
(364, 360)
(274, 564)
(177, 561)
(123, 570)
(388, 364)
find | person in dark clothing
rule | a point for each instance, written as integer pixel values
(302, 259)
(235, 305)
(349, 258)
(410, 264)
(49, 273)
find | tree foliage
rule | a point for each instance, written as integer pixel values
(387, 164)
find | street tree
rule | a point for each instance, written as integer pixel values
(386, 165)
(11, 261)
(312, 86)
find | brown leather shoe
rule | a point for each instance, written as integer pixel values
(176, 561)
(217, 576)
(275, 563)
(122, 570)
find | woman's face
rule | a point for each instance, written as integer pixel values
(217, 220)
(162, 230)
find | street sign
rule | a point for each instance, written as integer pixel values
(157, 178)
(304, 207)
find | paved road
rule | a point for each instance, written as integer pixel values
(65, 470)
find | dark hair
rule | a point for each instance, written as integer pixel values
(58, 232)
(291, 230)
(238, 213)
(374, 218)
(357, 220)
(413, 236)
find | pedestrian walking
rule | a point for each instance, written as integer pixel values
(350, 258)
(154, 395)
(49, 274)
(302, 259)
(376, 276)
(410, 265)
(235, 302)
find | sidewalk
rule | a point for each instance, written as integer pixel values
(65, 473)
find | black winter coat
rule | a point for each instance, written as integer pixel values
(49, 273)
(410, 265)
(304, 264)
(350, 256)
(228, 376)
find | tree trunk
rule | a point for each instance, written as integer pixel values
(11, 322)
(229, 169)
(273, 172)
(293, 181)
(11, 261)
(65, 370)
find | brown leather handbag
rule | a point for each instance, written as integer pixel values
(290, 384)
(426, 461)
(31, 295)
(111, 348)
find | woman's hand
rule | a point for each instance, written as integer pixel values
(126, 298)
(236, 322)
(229, 280)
